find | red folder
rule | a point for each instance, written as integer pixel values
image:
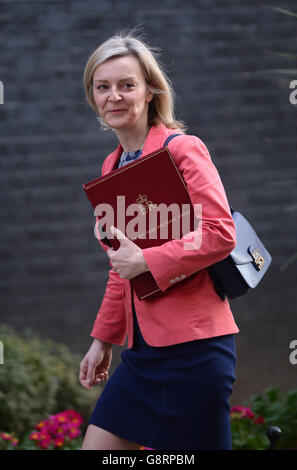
(136, 198)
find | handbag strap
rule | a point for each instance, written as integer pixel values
(169, 139)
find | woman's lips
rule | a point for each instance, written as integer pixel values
(115, 111)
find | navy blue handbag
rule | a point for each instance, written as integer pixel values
(245, 266)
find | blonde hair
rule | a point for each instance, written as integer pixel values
(161, 107)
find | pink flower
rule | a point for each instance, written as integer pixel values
(52, 427)
(42, 439)
(74, 417)
(9, 437)
(71, 430)
(44, 443)
(243, 411)
(42, 424)
(57, 428)
(34, 436)
(14, 441)
(59, 441)
(73, 433)
(61, 417)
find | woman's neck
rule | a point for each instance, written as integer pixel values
(132, 140)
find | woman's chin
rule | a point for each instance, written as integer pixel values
(116, 124)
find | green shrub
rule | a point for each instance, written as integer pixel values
(270, 408)
(248, 432)
(38, 378)
(279, 409)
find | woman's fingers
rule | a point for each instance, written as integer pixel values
(94, 369)
(93, 377)
(83, 375)
(91, 374)
(100, 376)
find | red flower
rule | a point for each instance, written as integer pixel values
(259, 420)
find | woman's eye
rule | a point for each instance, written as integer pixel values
(103, 87)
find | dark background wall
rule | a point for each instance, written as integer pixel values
(223, 58)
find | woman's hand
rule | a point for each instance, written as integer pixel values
(96, 363)
(128, 259)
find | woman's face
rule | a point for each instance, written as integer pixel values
(120, 93)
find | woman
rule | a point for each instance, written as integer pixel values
(172, 388)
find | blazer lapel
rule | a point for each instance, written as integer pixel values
(154, 140)
(113, 160)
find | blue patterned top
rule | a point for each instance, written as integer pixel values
(128, 157)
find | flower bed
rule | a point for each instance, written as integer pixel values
(59, 431)
(248, 426)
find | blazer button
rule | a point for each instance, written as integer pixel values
(182, 276)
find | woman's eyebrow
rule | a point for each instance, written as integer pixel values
(120, 80)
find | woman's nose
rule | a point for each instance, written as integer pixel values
(114, 94)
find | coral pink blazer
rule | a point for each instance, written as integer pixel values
(191, 310)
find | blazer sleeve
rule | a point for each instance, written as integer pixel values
(174, 260)
(110, 324)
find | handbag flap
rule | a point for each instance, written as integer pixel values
(249, 247)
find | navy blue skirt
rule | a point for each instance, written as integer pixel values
(171, 397)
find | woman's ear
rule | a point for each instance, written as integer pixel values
(149, 95)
